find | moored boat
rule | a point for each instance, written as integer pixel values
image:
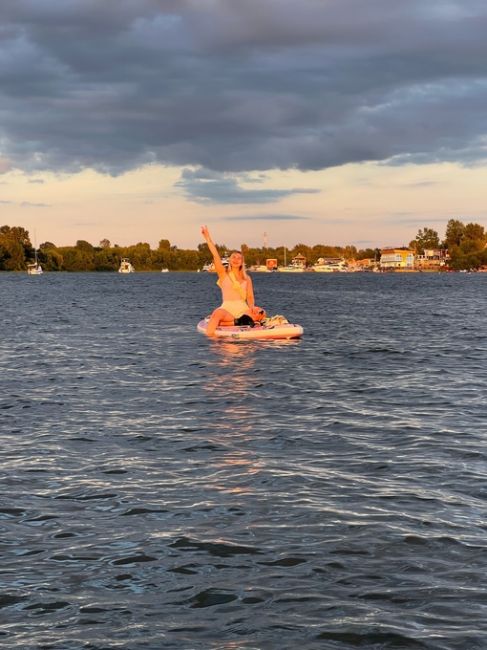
(34, 268)
(330, 265)
(126, 266)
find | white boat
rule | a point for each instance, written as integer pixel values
(330, 265)
(34, 268)
(290, 269)
(165, 270)
(210, 266)
(126, 266)
(298, 264)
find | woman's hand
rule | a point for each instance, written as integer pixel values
(206, 233)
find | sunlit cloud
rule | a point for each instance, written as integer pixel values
(266, 217)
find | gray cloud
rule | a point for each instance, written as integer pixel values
(236, 85)
(418, 185)
(206, 186)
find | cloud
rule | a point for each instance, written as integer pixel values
(205, 186)
(366, 243)
(266, 217)
(5, 165)
(411, 219)
(418, 185)
(241, 85)
(25, 204)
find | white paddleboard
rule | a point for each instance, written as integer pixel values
(257, 333)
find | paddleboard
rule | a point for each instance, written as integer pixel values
(257, 333)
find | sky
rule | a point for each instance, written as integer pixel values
(274, 122)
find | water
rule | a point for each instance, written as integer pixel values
(160, 490)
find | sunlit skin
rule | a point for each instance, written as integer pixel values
(236, 266)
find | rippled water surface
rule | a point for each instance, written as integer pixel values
(160, 490)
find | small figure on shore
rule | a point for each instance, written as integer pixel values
(237, 290)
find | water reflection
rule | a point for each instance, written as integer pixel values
(231, 389)
(235, 363)
(233, 368)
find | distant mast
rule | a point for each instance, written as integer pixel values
(34, 268)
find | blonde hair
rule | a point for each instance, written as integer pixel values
(242, 267)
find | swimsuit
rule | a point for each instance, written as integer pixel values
(233, 293)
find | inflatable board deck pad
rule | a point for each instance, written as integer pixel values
(257, 333)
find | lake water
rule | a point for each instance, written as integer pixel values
(161, 490)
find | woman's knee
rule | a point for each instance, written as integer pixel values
(221, 314)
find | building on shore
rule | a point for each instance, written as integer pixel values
(298, 264)
(401, 259)
(366, 264)
(432, 259)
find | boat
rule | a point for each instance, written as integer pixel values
(292, 268)
(34, 268)
(330, 265)
(165, 270)
(126, 266)
(274, 330)
(209, 267)
(298, 264)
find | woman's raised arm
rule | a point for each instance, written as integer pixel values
(219, 268)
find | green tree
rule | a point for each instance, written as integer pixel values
(46, 246)
(76, 259)
(164, 245)
(454, 233)
(51, 259)
(106, 260)
(15, 248)
(83, 245)
(466, 244)
(426, 238)
(475, 232)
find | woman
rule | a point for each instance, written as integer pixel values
(236, 286)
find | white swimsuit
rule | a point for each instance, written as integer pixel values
(232, 296)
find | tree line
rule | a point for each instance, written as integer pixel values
(464, 243)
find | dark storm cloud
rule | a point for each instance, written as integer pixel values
(235, 85)
(207, 186)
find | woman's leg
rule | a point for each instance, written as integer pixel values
(217, 317)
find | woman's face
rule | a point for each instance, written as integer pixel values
(236, 259)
